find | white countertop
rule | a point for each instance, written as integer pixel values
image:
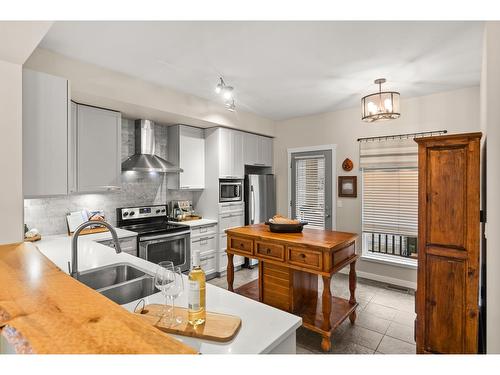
(263, 327)
(101, 236)
(198, 223)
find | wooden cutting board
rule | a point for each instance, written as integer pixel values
(217, 327)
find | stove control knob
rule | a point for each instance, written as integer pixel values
(132, 213)
(125, 214)
(157, 211)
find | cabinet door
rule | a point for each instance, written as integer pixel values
(225, 153)
(192, 158)
(266, 154)
(238, 165)
(45, 134)
(250, 149)
(98, 151)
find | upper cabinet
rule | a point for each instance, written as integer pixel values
(258, 150)
(45, 134)
(98, 149)
(231, 163)
(186, 148)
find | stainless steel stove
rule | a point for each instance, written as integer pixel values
(158, 238)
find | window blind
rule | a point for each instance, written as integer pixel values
(310, 190)
(390, 153)
(390, 201)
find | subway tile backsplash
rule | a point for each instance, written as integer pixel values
(48, 215)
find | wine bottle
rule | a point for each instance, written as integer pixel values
(196, 295)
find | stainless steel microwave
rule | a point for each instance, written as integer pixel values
(230, 190)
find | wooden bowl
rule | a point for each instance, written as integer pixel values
(286, 228)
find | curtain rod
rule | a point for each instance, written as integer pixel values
(400, 136)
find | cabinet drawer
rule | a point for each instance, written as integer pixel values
(231, 220)
(204, 243)
(269, 250)
(205, 230)
(241, 245)
(306, 258)
(231, 207)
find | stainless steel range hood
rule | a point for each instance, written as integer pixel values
(144, 159)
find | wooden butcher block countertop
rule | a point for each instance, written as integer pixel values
(326, 240)
(43, 310)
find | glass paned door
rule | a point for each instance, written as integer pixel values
(312, 188)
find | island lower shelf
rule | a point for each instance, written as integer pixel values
(312, 312)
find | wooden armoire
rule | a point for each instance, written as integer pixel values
(448, 244)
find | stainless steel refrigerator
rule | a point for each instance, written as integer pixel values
(260, 200)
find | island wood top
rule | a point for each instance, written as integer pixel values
(326, 240)
(43, 310)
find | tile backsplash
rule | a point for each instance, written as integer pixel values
(48, 215)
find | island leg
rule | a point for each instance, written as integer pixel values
(230, 272)
(352, 289)
(326, 303)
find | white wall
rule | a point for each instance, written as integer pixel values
(11, 185)
(91, 84)
(17, 41)
(490, 99)
(456, 111)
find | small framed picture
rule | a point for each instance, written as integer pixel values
(348, 186)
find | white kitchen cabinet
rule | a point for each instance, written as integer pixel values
(98, 149)
(231, 164)
(186, 149)
(204, 240)
(222, 258)
(45, 134)
(128, 244)
(258, 150)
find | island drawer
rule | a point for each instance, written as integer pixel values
(306, 258)
(270, 250)
(343, 254)
(241, 245)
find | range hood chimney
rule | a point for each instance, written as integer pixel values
(144, 159)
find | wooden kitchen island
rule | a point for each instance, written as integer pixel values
(289, 266)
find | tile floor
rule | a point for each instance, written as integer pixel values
(384, 324)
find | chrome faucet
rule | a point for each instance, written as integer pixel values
(74, 243)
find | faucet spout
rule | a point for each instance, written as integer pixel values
(74, 243)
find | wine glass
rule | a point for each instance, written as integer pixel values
(162, 281)
(175, 290)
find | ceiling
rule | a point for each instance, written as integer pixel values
(281, 69)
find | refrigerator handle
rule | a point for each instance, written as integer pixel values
(252, 220)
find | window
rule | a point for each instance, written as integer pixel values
(390, 199)
(390, 212)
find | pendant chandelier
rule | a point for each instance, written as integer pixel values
(383, 105)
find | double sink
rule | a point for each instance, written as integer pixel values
(121, 282)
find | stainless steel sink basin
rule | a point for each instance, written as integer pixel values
(102, 277)
(131, 290)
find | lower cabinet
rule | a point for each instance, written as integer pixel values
(127, 244)
(204, 240)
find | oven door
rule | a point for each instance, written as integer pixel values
(230, 191)
(175, 248)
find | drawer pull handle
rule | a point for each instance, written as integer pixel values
(303, 256)
(241, 245)
(268, 251)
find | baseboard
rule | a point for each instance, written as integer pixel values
(383, 279)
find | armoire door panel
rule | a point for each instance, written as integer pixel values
(447, 193)
(445, 304)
